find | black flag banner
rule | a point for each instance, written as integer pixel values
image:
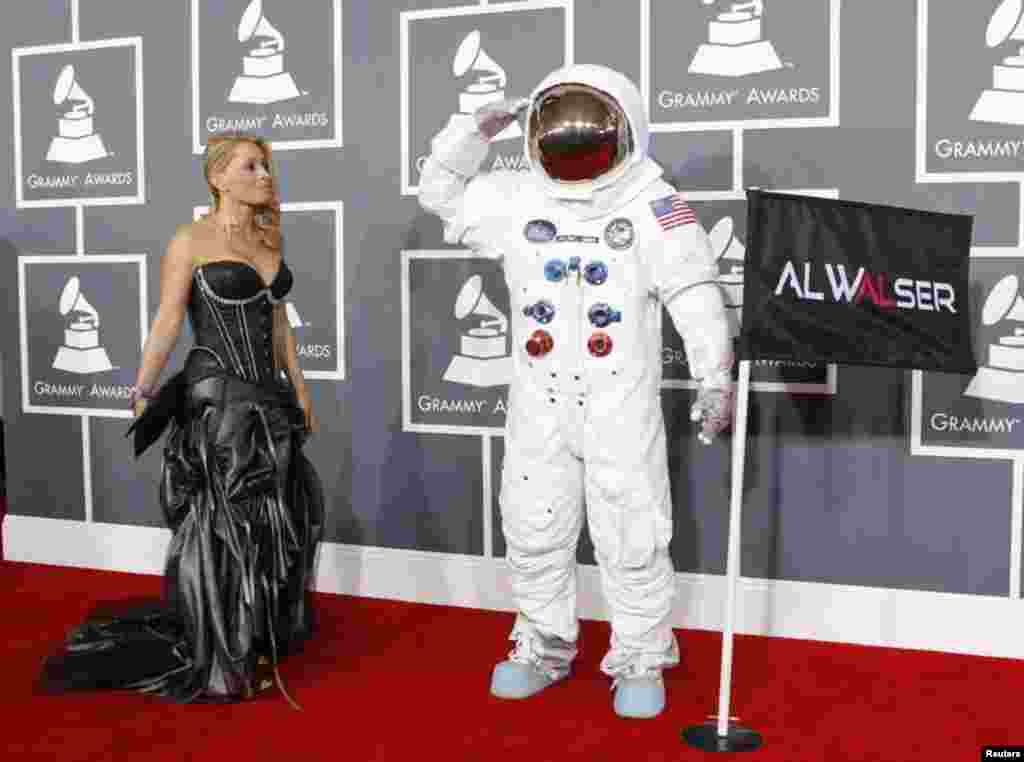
(856, 284)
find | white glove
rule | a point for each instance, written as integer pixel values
(492, 118)
(713, 409)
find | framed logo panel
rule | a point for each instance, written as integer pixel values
(82, 327)
(970, 106)
(456, 352)
(468, 56)
(980, 416)
(314, 243)
(78, 124)
(270, 68)
(713, 64)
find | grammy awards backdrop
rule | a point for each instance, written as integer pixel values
(881, 506)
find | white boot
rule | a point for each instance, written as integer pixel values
(524, 673)
(639, 694)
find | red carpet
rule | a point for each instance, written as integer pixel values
(396, 681)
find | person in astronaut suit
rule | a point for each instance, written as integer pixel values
(592, 242)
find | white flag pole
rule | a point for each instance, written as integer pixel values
(732, 569)
(723, 736)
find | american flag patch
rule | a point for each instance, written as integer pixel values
(672, 211)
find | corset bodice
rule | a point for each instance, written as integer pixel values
(231, 310)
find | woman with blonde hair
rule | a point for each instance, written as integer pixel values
(244, 504)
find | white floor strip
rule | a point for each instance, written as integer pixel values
(972, 624)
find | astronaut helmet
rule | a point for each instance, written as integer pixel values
(578, 133)
(586, 126)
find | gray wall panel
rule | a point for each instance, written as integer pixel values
(834, 491)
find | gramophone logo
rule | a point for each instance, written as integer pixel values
(730, 252)
(983, 417)
(455, 60)
(489, 85)
(716, 64)
(1003, 102)
(79, 129)
(1002, 376)
(67, 344)
(735, 44)
(76, 141)
(970, 103)
(456, 363)
(81, 352)
(483, 358)
(263, 79)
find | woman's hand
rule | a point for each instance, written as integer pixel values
(140, 395)
(312, 424)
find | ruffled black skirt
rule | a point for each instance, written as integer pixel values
(246, 510)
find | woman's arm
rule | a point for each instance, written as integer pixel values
(287, 357)
(175, 285)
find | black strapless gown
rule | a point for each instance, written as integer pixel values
(245, 507)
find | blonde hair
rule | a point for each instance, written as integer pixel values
(220, 149)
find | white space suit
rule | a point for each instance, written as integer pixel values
(588, 267)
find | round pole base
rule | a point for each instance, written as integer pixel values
(706, 738)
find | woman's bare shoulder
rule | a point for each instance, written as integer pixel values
(191, 240)
(195, 231)
(180, 252)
